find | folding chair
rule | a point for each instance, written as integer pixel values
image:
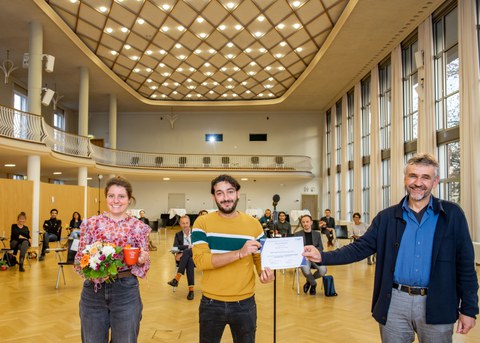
(71, 252)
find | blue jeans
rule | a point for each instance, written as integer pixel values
(240, 315)
(47, 238)
(115, 305)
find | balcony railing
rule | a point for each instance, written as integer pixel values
(30, 127)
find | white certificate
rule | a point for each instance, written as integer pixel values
(282, 253)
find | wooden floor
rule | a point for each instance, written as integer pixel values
(32, 310)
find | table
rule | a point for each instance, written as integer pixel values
(176, 212)
(255, 212)
(295, 214)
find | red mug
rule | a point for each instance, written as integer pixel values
(131, 255)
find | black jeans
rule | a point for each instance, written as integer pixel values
(240, 315)
(186, 263)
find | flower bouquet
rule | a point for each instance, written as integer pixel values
(101, 261)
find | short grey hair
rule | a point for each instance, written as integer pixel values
(424, 159)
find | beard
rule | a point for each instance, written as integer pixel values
(418, 196)
(226, 210)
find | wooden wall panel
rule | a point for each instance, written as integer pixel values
(92, 201)
(15, 197)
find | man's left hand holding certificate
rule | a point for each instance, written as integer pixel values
(282, 253)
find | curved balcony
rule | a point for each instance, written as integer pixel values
(32, 128)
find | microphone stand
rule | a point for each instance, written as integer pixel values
(275, 218)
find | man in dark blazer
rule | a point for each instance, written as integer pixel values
(312, 238)
(327, 225)
(425, 277)
(183, 243)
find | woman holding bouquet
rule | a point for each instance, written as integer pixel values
(111, 297)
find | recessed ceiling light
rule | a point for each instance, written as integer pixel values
(230, 44)
(230, 87)
(258, 34)
(166, 179)
(202, 35)
(212, 51)
(260, 95)
(180, 28)
(140, 21)
(176, 84)
(230, 5)
(208, 73)
(149, 80)
(248, 50)
(251, 73)
(73, 2)
(10, 165)
(182, 57)
(198, 51)
(103, 9)
(135, 58)
(262, 50)
(149, 52)
(178, 45)
(260, 18)
(136, 70)
(108, 30)
(270, 94)
(253, 63)
(153, 96)
(298, 49)
(164, 96)
(200, 19)
(211, 92)
(175, 92)
(281, 68)
(191, 69)
(189, 95)
(161, 65)
(204, 83)
(189, 80)
(270, 79)
(207, 64)
(215, 83)
(268, 86)
(148, 70)
(244, 83)
(163, 52)
(234, 95)
(248, 92)
(191, 87)
(281, 26)
(230, 56)
(224, 95)
(180, 69)
(57, 173)
(222, 27)
(268, 68)
(166, 74)
(127, 47)
(199, 95)
(296, 3)
(166, 7)
(238, 27)
(113, 52)
(154, 87)
(244, 179)
(124, 29)
(165, 28)
(165, 84)
(88, 178)
(283, 43)
(296, 26)
(236, 68)
(229, 79)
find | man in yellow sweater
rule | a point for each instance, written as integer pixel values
(226, 248)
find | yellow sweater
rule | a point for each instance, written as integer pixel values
(213, 234)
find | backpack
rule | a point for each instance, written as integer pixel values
(10, 258)
(329, 286)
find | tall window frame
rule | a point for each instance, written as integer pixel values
(328, 136)
(365, 147)
(20, 120)
(410, 96)
(385, 111)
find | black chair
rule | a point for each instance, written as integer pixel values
(71, 252)
(182, 161)
(341, 232)
(206, 161)
(158, 161)
(255, 161)
(225, 161)
(134, 161)
(279, 163)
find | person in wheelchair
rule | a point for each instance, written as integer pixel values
(183, 256)
(311, 238)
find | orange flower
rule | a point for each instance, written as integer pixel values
(128, 246)
(84, 261)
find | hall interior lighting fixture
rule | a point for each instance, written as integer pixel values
(9, 165)
(7, 67)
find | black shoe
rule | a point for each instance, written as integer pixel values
(190, 295)
(313, 290)
(20, 267)
(173, 283)
(306, 287)
(41, 258)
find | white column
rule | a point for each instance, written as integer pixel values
(357, 152)
(396, 144)
(33, 174)
(470, 120)
(35, 51)
(83, 102)
(375, 149)
(427, 138)
(112, 123)
(82, 181)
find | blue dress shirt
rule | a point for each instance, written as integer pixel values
(415, 253)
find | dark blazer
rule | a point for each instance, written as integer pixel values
(330, 222)
(316, 239)
(178, 241)
(453, 281)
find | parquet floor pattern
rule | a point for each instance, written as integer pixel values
(32, 310)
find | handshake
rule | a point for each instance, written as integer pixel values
(312, 254)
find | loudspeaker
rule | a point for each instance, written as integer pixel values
(47, 97)
(50, 63)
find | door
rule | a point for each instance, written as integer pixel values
(310, 202)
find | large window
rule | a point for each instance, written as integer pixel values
(59, 119)
(410, 96)
(338, 195)
(328, 119)
(350, 113)
(20, 120)
(447, 101)
(338, 132)
(366, 123)
(349, 209)
(385, 72)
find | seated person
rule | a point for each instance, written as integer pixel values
(183, 241)
(311, 238)
(20, 239)
(53, 229)
(202, 212)
(75, 225)
(282, 226)
(267, 222)
(327, 226)
(358, 230)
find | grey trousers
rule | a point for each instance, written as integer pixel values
(406, 316)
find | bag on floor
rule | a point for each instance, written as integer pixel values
(10, 259)
(329, 286)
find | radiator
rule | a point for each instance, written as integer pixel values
(476, 248)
